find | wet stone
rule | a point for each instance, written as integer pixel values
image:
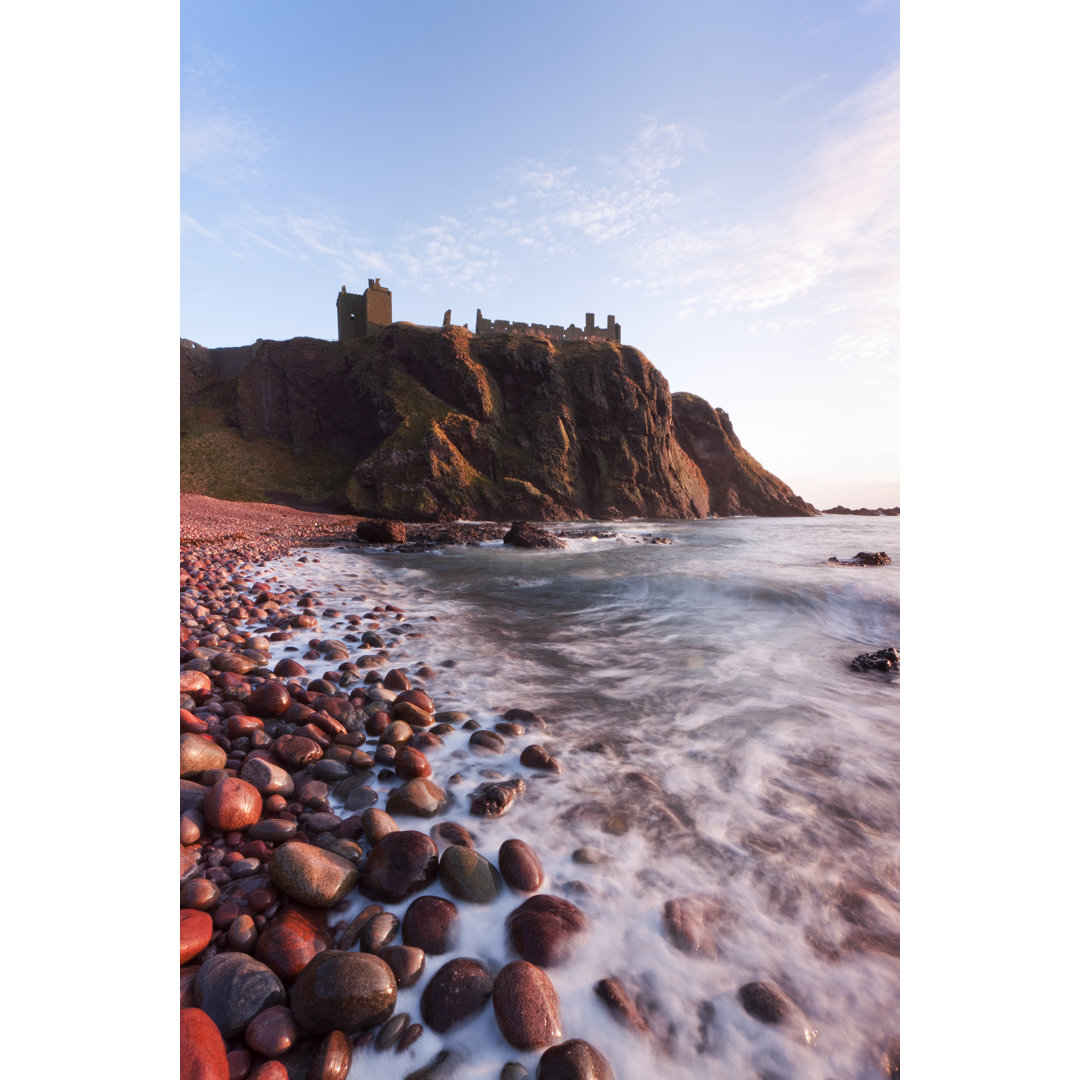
(379, 931)
(289, 941)
(376, 824)
(344, 991)
(400, 864)
(333, 1058)
(574, 1060)
(311, 875)
(520, 866)
(196, 929)
(392, 1031)
(488, 742)
(266, 777)
(447, 833)
(458, 990)
(234, 988)
(765, 1002)
(526, 1006)
(197, 755)
(431, 923)
(542, 930)
(272, 1032)
(202, 1049)
(331, 770)
(232, 804)
(406, 961)
(495, 798)
(420, 798)
(467, 875)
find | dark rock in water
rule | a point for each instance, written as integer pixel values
(765, 1002)
(520, 866)
(524, 535)
(456, 991)
(406, 962)
(770, 1005)
(344, 991)
(613, 994)
(400, 864)
(431, 923)
(450, 832)
(536, 757)
(882, 660)
(691, 924)
(526, 1006)
(574, 1060)
(495, 798)
(863, 558)
(542, 930)
(381, 532)
(467, 875)
(527, 719)
(442, 1066)
(487, 742)
(333, 1058)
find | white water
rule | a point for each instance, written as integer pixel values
(718, 666)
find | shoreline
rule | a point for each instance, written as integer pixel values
(261, 752)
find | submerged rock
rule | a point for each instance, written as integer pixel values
(882, 660)
(524, 535)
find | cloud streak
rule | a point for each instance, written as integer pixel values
(218, 142)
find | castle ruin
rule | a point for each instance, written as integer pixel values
(361, 316)
(612, 332)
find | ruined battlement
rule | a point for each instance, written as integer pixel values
(612, 332)
(364, 315)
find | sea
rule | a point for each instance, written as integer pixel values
(716, 744)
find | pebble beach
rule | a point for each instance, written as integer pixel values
(406, 855)
(280, 976)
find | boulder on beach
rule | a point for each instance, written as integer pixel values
(374, 531)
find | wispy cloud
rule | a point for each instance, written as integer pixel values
(218, 142)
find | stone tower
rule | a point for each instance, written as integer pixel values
(364, 315)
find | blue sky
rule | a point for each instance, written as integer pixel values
(722, 178)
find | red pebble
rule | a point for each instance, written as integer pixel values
(232, 804)
(239, 1064)
(270, 1070)
(202, 1049)
(196, 929)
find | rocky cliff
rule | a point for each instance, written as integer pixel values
(432, 424)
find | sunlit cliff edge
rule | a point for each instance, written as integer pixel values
(436, 424)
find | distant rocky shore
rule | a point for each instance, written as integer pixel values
(892, 511)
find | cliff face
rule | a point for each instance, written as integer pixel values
(428, 424)
(737, 483)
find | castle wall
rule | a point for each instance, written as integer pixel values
(554, 332)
